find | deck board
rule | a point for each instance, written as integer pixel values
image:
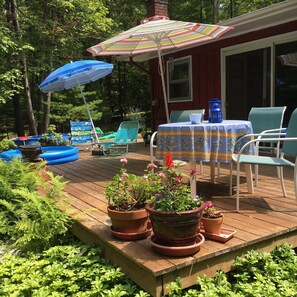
(266, 219)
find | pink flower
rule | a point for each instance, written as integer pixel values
(151, 166)
(161, 175)
(124, 161)
(123, 176)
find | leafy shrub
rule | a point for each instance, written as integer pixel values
(7, 144)
(29, 215)
(73, 269)
(257, 274)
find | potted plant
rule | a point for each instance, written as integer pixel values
(127, 195)
(174, 213)
(212, 219)
(52, 138)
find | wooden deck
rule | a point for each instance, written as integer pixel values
(266, 219)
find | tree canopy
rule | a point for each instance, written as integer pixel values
(37, 37)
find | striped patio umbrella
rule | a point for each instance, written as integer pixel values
(158, 34)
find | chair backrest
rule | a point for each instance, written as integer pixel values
(81, 132)
(266, 118)
(290, 147)
(183, 115)
(127, 132)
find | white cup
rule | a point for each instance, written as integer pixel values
(195, 118)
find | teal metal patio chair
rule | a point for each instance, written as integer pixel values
(289, 149)
(125, 136)
(264, 120)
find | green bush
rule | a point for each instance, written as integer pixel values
(7, 144)
(73, 269)
(257, 274)
(29, 215)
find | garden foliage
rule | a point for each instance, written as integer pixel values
(69, 270)
(257, 274)
(30, 218)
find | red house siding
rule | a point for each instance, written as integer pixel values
(206, 80)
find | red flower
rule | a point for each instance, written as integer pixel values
(169, 162)
(193, 171)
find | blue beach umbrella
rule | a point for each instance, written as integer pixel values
(76, 74)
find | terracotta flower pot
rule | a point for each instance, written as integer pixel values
(131, 222)
(176, 228)
(212, 225)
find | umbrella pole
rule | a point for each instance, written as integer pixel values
(88, 111)
(163, 82)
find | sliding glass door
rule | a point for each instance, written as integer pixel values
(286, 77)
(247, 82)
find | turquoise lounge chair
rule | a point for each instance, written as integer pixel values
(125, 136)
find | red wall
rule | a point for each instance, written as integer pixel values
(205, 72)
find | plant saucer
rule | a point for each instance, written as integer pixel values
(177, 251)
(131, 236)
(225, 235)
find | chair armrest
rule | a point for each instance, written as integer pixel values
(264, 140)
(274, 130)
(258, 135)
(271, 132)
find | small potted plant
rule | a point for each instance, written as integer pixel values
(127, 195)
(53, 138)
(175, 214)
(212, 219)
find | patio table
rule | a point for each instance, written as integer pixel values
(207, 142)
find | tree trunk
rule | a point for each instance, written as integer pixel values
(12, 5)
(16, 102)
(46, 106)
(46, 112)
(31, 118)
(18, 115)
(216, 11)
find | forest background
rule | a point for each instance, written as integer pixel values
(36, 37)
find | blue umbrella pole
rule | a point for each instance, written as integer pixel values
(88, 111)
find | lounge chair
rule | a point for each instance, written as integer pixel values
(125, 136)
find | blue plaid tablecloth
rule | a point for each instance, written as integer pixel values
(202, 142)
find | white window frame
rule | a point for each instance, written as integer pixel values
(183, 99)
(268, 42)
